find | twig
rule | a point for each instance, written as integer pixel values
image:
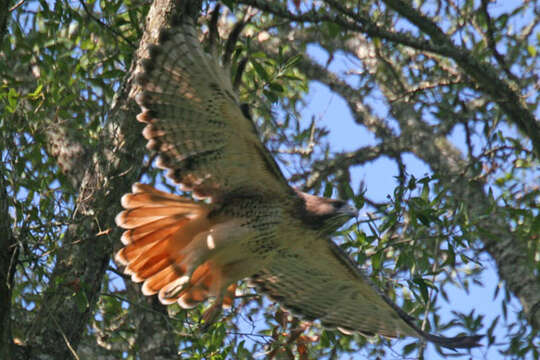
(14, 7)
(101, 23)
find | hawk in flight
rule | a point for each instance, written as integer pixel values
(254, 225)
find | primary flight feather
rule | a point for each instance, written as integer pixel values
(255, 225)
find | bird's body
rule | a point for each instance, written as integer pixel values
(254, 225)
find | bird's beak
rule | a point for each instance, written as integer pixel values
(349, 210)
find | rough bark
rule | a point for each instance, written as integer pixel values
(8, 262)
(86, 249)
(8, 244)
(64, 145)
(88, 243)
(153, 338)
(4, 16)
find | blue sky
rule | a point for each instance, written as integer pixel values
(331, 112)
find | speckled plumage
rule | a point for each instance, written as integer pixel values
(256, 226)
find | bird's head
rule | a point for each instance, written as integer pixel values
(326, 214)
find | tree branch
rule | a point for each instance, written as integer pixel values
(84, 256)
(8, 261)
(507, 96)
(508, 251)
(4, 16)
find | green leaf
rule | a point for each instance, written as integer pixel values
(35, 94)
(359, 201)
(292, 61)
(376, 260)
(349, 193)
(409, 348)
(259, 69)
(423, 288)
(333, 29)
(271, 96)
(13, 98)
(328, 190)
(388, 223)
(276, 87)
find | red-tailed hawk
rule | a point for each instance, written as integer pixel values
(255, 226)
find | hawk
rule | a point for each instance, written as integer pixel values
(253, 224)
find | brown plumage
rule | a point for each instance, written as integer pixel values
(254, 224)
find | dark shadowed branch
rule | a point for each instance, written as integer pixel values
(8, 262)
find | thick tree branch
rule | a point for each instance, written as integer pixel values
(65, 145)
(8, 262)
(85, 254)
(360, 23)
(8, 244)
(4, 16)
(153, 337)
(507, 96)
(67, 305)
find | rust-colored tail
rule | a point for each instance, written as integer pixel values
(161, 231)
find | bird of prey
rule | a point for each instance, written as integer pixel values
(253, 224)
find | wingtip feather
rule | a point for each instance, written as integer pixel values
(457, 342)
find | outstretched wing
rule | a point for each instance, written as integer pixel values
(322, 282)
(195, 122)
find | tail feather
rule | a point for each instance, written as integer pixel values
(150, 266)
(133, 218)
(160, 279)
(199, 282)
(165, 224)
(130, 201)
(160, 231)
(143, 244)
(171, 292)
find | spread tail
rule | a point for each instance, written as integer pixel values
(162, 230)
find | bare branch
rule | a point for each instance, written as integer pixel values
(506, 95)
